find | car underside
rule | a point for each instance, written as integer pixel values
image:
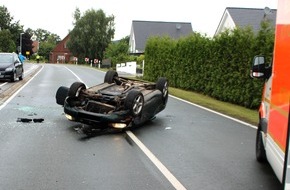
(119, 102)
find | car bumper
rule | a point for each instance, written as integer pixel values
(119, 119)
(6, 75)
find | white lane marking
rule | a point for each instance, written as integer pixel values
(215, 112)
(3, 84)
(11, 97)
(170, 177)
(76, 76)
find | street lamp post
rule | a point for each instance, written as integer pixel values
(21, 42)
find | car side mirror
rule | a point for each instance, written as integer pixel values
(258, 67)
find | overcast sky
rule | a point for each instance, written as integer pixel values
(57, 16)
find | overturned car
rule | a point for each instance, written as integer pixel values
(119, 102)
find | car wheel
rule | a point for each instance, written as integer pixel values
(111, 76)
(61, 94)
(260, 149)
(13, 78)
(134, 102)
(75, 89)
(162, 85)
(21, 77)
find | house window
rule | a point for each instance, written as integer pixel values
(64, 45)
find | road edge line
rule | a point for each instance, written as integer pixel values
(215, 112)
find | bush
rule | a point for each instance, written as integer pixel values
(218, 67)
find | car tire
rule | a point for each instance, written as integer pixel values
(75, 89)
(61, 95)
(13, 78)
(260, 149)
(134, 102)
(21, 77)
(162, 85)
(111, 76)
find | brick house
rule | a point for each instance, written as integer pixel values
(61, 54)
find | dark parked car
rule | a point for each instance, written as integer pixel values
(10, 67)
(119, 102)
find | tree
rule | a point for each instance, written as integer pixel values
(44, 35)
(91, 34)
(47, 41)
(5, 18)
(117, 52)
(14, 28)
(47, 46)
(10, 33)
(77, 15)
(265, 40)
(7, 44)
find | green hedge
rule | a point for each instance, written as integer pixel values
(218, 67)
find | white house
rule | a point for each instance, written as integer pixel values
(241, 17)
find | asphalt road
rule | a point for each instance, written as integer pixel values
(185, 147)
